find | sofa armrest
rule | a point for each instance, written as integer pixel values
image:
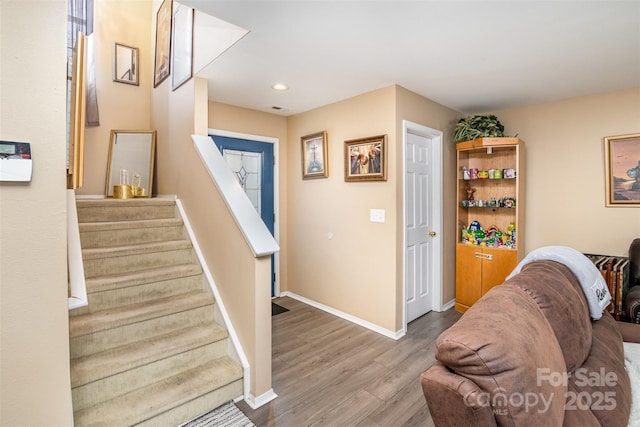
(454, 400)
(632, 304)
(630, 331)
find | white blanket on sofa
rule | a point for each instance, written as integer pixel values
(593, 285)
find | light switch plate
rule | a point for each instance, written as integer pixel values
(377, 215)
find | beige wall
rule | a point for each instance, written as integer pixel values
(121, 106)
(565, 171)
(355, 270)
(359, 270)
(34, 335)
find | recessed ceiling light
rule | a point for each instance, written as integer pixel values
(280, 86)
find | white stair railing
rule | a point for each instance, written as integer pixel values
(75, 266)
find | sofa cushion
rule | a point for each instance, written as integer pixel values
(557, 292)
(503, 343)
(601, 385)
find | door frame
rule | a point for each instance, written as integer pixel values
(276, 190)
(437, 191)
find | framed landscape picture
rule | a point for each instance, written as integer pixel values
(314, 156)
(365, 159)
(622, 169)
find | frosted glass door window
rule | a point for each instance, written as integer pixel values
(247, 168)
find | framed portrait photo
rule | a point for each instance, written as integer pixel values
(314, 156)
(622, 170)
(365, 159)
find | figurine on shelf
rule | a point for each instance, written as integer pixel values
(511, 232)
(475, 225)
(470, 190)
(509, 202)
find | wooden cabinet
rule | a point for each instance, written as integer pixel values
(489, 215)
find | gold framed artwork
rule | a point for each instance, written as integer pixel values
(622, 170)
(365, 159)
(314, 156)
(162, 67)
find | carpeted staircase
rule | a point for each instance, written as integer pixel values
(147, 350)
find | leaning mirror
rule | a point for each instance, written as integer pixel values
(130, 165)
(125, 64)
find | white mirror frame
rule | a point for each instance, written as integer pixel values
(133, 150)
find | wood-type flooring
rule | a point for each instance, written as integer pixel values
(328, 371)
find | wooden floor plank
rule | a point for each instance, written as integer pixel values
(328, 371)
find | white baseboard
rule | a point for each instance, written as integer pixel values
(256, 402)
(449, 305)
(353, 319)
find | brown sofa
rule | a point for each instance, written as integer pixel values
(632, 301)
(528, 354)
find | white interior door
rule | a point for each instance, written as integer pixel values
(423, 212)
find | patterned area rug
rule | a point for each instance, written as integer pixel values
(227, 415)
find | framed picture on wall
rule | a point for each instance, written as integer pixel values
(314, 156)
(162, 67)
(365, 159)
(181, 45)
(622, 169)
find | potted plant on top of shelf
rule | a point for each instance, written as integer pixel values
(478, 126)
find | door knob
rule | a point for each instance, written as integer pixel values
(432, 233)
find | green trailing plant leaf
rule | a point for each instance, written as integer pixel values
(478, 126)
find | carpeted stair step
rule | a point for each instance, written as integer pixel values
(134, 313)
(122, 259)
(107, 388)
(84, 345)
(110, 291)
(156, 402)
(118, 233)
(101, 210)
(99, 377)
(121, 359)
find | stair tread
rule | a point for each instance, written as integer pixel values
(110, 362)
(114, 281)
(133, 313)
(130, 224)
(161, 396)
(145, 201)
(122, 250)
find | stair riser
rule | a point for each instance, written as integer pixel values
(140, 293)
(118, 237)
(98, 391)
(136, 262)
(196, 407)
(122, 335)
(123, 212)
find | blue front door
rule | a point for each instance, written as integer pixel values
(252, 164)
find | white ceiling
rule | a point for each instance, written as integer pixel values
(471, 56)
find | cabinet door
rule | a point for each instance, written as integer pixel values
(497, 264)
(468, 275)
